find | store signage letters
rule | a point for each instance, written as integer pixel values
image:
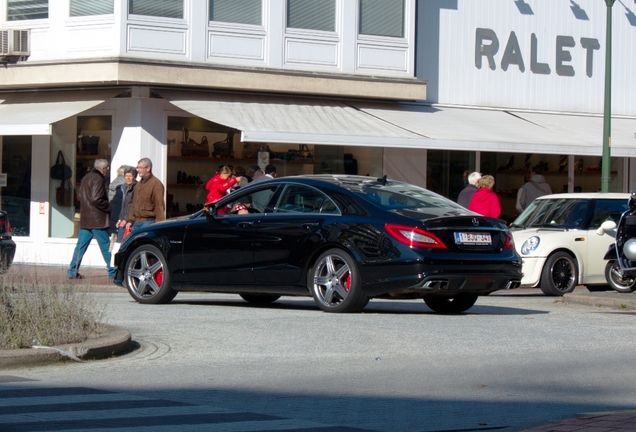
(487, 45)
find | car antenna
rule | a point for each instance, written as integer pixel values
(382, 180)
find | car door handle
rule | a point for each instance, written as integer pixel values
(245, 224)
(309, 225)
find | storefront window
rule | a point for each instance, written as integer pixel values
(18, 10)
(197, 148)
(16, 195)
(382, 18)
(236, 11)
(79, 140)
(91, 7)
(446, 169)
(587, 174)
(312, 14)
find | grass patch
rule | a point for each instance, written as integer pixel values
(36, 312)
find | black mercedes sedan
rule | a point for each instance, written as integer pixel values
(342, 239)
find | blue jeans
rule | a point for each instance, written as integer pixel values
(83, 240)
(138, 225)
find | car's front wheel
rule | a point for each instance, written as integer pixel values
(619, 280)
(560, 274)
(336, 284)
(460, 303)
(147, 276)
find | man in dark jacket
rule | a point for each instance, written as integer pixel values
(467, 193)
(94, 218)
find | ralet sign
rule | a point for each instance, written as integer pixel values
(487, 47)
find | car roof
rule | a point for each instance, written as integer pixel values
(586, 195)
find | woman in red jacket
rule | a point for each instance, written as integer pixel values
(218, 186)
(485, 201)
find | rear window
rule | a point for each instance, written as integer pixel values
(395, 195)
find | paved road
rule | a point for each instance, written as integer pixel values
(212, 362)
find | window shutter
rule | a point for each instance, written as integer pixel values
(91, 7)
(312, 14)
(158, 8)
(237, 11)
(27, 9)
(382, 17)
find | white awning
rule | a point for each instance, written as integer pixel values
(296, 120)
(33, 113)
(278, 119)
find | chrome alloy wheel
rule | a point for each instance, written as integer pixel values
(332, 280)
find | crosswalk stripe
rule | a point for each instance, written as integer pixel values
(77, 409)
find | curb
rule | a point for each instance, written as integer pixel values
(114, 340)
(611, 299)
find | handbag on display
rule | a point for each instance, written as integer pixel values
(61, 171)
(190, 147)
(224, 148)
(89, 145)
(64, 194)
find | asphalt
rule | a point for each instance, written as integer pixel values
(116, 341)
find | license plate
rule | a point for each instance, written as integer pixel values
(473, 238)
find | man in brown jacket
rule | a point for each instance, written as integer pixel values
(94, 218)
(148, 205)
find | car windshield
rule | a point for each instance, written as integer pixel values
(395, 195)
(555, 213)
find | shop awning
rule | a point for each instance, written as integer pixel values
(296, 120)
(33, 113)
(456, 128)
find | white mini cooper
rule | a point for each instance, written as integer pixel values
(557, 241)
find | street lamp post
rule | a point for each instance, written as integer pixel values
(607, 108)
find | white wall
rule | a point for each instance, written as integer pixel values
(447, 40)
(194, 39)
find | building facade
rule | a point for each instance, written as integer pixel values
(417, 90)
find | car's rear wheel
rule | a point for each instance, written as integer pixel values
(560, 274)
(259, 298)
(620, 281)
(460, 303)
(147, 276)
(336, 284)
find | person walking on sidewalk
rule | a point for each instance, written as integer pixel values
(148, 206)
(94, 218)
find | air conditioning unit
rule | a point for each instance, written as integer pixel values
(14, 44)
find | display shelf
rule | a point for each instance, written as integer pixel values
(186, 185)
(553, 173)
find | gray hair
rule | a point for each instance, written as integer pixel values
(121, 170)
(147, 162)
(100, 164)
(131, 170)
(474, 178)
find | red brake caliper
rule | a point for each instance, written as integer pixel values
(159, 277)
(347, 281)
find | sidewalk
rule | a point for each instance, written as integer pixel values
(94, 278)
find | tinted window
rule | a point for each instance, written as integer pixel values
(158, 8)
(607, 210)
(382, 17)
(303, 199)
(570, 213)
(91, 7)
(404, 196)
(312, 14)
(27, 9)
(236, 11)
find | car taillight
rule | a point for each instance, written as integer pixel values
(5, 226)
(414, 237)
(509, 243)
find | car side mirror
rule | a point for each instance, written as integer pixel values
(608, 225)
